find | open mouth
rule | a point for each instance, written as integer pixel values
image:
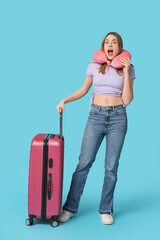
(110, 52)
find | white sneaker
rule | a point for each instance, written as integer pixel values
(107, 218)
(65, 216)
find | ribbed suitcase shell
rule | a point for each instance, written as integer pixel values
(35, 181)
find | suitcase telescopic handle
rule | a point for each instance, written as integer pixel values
(60, 123)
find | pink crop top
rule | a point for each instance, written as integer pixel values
(110, 83)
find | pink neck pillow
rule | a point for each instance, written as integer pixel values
(100, 57)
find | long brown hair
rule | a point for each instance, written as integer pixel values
(120, 45)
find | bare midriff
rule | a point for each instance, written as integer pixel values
(106, 100)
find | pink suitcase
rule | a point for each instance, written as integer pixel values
(45, 180)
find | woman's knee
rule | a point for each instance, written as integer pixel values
(84, 164)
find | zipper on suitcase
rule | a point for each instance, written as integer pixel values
(44, 176)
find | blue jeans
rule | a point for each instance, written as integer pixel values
(103, 121)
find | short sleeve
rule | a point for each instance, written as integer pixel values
(131, 72)
(89, 70)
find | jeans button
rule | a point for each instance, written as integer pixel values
(107, 107)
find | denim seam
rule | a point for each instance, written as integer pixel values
(105, 212)
(82, 189)
(70, 209)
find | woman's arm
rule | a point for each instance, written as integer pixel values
(127, 94)
(80, 92)
(74, 96)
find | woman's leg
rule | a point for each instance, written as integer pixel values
(115, 136)
(92, 138)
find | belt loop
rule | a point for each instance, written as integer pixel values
(113, 108)
(99, 108)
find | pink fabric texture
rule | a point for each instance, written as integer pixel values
(100, 57)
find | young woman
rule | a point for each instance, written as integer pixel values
(107, 117)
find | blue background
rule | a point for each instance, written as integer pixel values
(45, 49)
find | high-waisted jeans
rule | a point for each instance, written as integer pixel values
(109, 121)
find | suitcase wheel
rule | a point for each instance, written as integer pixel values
(29, 222)
(53, 223)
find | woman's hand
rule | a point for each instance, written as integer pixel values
(126, 63)
(60, 105)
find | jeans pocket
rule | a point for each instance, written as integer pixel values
(93, 110)
(120, 111)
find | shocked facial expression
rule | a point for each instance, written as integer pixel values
(111, 47)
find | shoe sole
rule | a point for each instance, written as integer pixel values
(107, 223)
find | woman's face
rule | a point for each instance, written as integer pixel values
(111, 42)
